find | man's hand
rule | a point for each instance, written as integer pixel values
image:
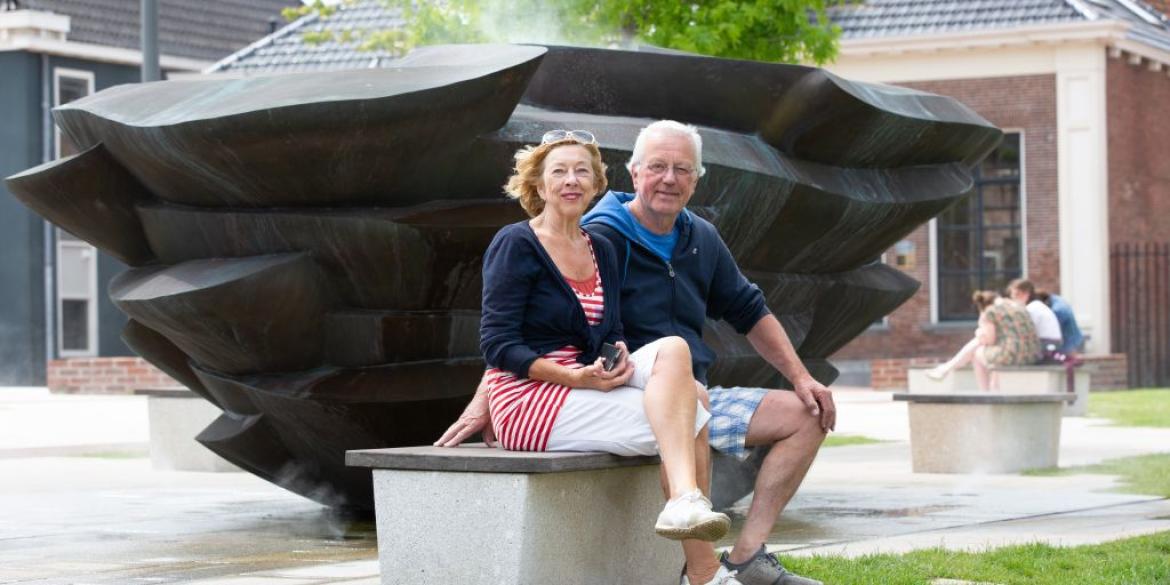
(819, 401)
(475, 418)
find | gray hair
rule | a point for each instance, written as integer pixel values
(668, 127)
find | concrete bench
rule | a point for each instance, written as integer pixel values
(1044, 378)
(1035, 379)
(960, 380)
(176, 415)
(984, 432)
(473, 514)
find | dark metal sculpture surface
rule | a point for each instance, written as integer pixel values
(306, 248)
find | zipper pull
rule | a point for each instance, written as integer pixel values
(670, 269)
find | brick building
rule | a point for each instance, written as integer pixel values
(1080, 87)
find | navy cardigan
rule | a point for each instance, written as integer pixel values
(529, 309)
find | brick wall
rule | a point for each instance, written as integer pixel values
(1110, 372)
(1027, 104)
(890, 373)
(115, 375)
(1139, 138)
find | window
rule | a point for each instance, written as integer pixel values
(980, 239)
(76, 260)
(76, 296)
(69, 85)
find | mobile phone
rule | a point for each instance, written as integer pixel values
(610, 356)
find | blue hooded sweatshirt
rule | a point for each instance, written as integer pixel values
(660, 298)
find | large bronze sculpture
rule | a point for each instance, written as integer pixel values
(306, 249)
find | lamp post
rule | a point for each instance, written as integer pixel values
(150, 68)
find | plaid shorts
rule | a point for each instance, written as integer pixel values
(731, 412)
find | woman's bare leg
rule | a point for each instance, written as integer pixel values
(701, 561)
(982, 374)
(669, 399)
(960, 359)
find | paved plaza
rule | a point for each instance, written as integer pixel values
(80, 504)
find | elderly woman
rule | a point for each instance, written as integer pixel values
(1005, 337)
(550, 303)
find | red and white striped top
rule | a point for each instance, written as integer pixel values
(523, 410)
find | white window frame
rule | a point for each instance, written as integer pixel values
(933, 231)
(58, 73)
(91, 349)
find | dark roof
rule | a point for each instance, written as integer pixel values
(206, 30)
(286, 50)
(894, 18)
(890, 18)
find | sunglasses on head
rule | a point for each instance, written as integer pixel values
(582, 136)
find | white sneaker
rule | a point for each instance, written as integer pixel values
(937, 372)
(689, 516)
(722, 577)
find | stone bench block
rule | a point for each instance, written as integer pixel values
(176, 415)
(478, 515)
(1047, 378)
(983, 432)
(962, 379)
(1036, 379)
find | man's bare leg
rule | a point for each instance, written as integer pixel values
(781, 420)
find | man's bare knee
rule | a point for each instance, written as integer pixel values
(780, 416)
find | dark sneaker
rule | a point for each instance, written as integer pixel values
(765, 569)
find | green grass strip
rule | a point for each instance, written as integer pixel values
(1143, 474)
(1133, 408)
(836, 440)
(1133, 561)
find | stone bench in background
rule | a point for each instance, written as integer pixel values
(176, 415)
(1037, 379)
(983, 432)
(473, 514)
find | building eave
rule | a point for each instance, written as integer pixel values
(99, 53)
(1105, 31)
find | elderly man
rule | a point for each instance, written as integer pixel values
(677, 270)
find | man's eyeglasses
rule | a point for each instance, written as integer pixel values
(680, 171)
(582, 136)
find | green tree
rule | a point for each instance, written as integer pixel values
(762, 30)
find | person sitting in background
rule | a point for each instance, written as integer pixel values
(1005, 337)
(1070, 332)
(1023, 292)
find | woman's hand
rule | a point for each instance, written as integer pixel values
(595, 377)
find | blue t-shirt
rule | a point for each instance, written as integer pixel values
(1069, 331)
(661, 245)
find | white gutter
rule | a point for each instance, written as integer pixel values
(92, 52)
(1109, 31)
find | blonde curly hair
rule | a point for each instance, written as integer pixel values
(530, 166)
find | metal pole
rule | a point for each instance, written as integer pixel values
(47, 240)
(150, 68)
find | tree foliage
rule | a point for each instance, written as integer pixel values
(762, 30)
